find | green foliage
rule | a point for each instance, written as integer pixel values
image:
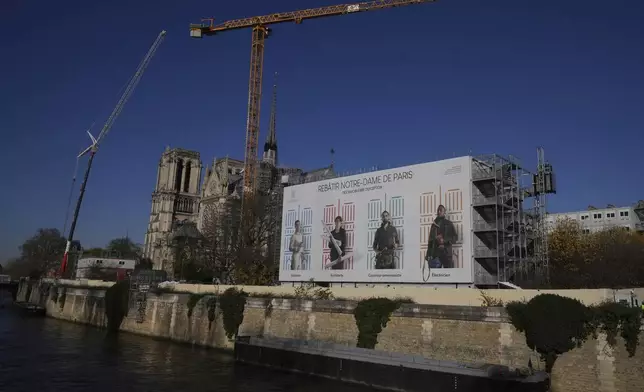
(124, 248)
(554, 325)
(93, 252)
(212, 307)
(404, 300)
(117, 299)
(42, 252)
(372, 315)
(614, 318)
(62, 298)
(28, 291)
(193, 300)
(311, 291)
(53, 293)
(44, 291)
(17, 268)
(232, 303)
(490, 302)
(608, 258)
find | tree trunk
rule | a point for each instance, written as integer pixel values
(549, 359)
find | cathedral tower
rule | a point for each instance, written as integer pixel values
(175, 199)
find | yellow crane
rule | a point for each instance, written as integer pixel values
(260, 31)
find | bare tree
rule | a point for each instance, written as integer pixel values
(237, 248)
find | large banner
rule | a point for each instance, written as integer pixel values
(405, 225)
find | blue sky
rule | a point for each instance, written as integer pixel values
(385, 88)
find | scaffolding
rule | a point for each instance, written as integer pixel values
(543, 184)
(503, 230)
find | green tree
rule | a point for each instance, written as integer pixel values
(16, 268)
(612, 258)
(41, 253)
(93, 252)
(124, 247)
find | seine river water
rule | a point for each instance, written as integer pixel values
(38, 354)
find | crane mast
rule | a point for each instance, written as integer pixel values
(260, 32)
(93, 148)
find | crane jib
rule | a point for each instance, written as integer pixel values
(106, 128)
(298, 16)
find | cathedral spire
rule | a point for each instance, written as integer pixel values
(270, 146)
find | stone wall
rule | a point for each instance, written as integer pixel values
(459, 333)
(420, 295)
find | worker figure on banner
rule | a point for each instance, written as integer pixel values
(442, 236)
(296, 246)
(385, 243)
(338, 241)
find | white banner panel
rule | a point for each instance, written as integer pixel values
(408, 199)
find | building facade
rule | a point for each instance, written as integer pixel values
(630, 218)
(182, 204)
(175, 201)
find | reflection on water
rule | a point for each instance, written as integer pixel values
(49, 355)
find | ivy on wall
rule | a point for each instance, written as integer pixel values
(212, 307)
(615, 319)
(554, 325)
(193, 300)
(232, 303)
(372, 315)
(62, 298)
(28, 292)
(53, 294)
(117, 299)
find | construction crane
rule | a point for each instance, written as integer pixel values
(93, 148)
(260, 32)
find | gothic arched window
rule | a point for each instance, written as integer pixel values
(177, 180)
(186, 184)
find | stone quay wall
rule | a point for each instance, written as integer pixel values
(470, 334)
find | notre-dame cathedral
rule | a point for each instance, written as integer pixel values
(181, 201)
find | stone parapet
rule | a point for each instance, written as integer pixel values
(420, 295)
